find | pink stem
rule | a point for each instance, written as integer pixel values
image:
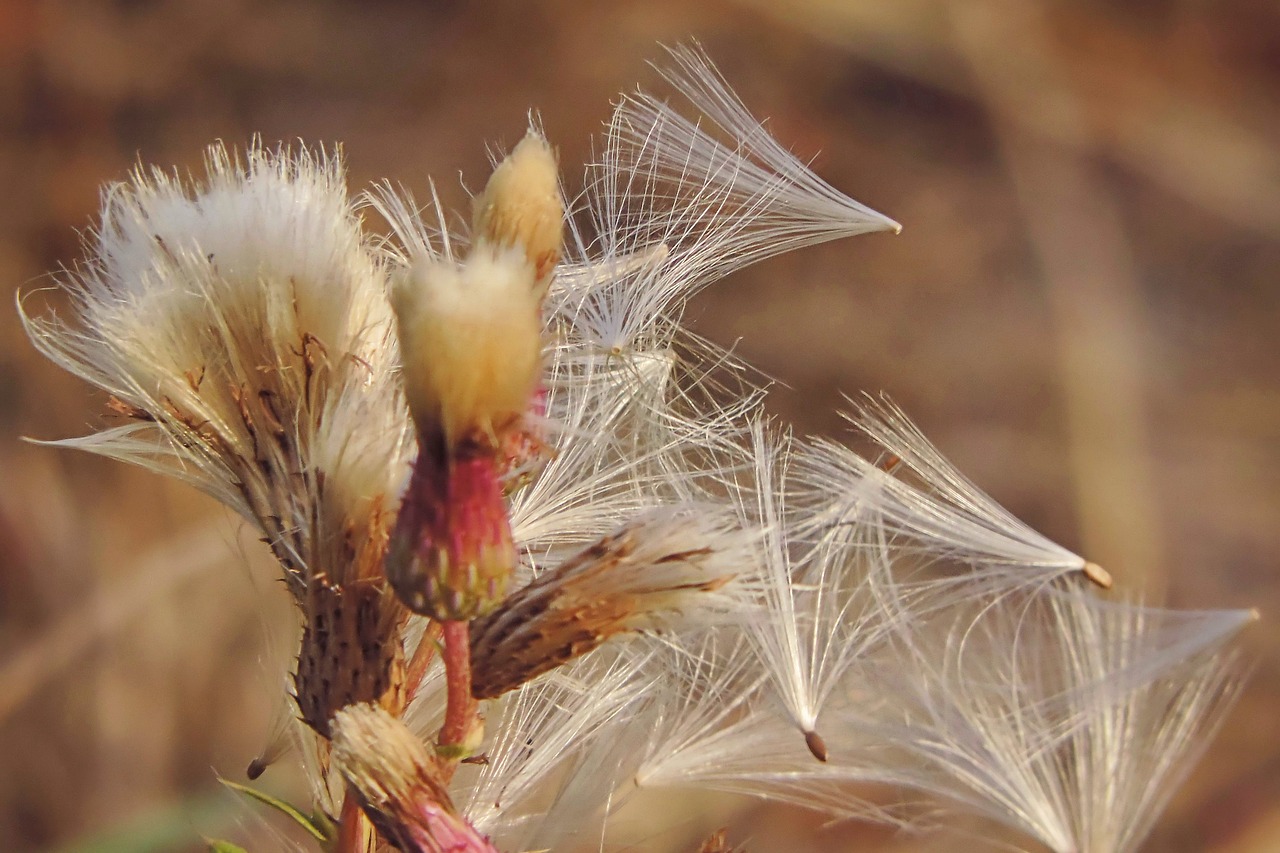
(460, 710)
(353, 828)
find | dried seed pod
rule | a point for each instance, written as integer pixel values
(627, 581)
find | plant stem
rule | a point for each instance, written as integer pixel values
(460, 710)
(354, 829)
(420, 662)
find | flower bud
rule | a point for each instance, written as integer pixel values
(521, 206)
(451, 553)
(470, 339)
(470, 344)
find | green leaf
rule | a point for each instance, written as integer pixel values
(311, 825)
(217, 845)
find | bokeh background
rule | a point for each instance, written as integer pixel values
(1083, 311)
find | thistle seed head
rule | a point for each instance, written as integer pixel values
(630, 580)
(399, 785)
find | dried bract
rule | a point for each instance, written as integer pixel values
(631, 580)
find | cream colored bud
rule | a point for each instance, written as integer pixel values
(521, 205)
(470, 342)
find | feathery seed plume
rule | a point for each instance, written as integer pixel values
(241, 327)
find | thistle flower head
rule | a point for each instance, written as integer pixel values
(241, 327)
(471, 342)
(399, 784)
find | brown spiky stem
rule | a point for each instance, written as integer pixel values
(460, 709)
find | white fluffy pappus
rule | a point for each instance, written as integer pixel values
(537, 789)
(1063, 716)
(241, 326)
(819, 593)
(471, 339)
(925, 504)
(673, 209)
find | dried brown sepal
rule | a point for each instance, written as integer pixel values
(616, 585)
(124, 409)
(351, 651)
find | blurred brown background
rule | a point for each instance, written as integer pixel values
(1083, 310)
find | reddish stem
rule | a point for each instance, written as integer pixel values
(421, 661)
(460, 709)
(354, 829)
